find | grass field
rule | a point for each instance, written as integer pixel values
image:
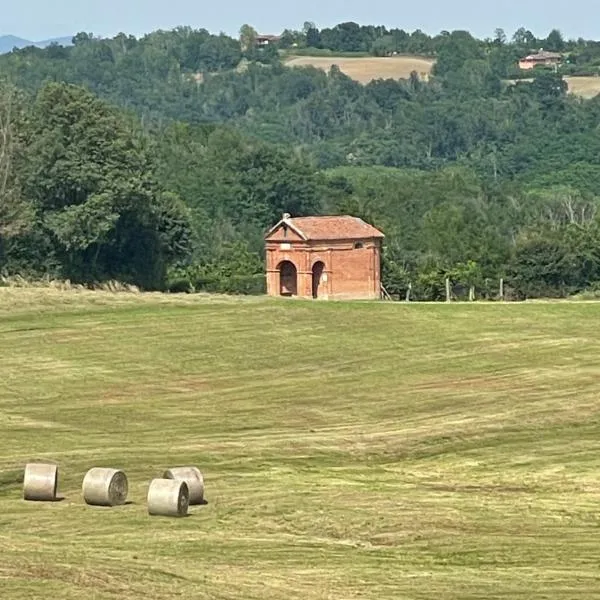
(350, 450)
(365, 69)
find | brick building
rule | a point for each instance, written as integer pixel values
(324, 257)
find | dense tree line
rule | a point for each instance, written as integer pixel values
(161, 161)
(583, 56)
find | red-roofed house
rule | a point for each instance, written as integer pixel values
(324, 257)
(541, 58)
(265, 40)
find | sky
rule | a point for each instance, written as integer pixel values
(37, 20)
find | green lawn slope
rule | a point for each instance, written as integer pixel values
(350, 450)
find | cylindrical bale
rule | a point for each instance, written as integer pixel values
(105, 487)
(168, 498)
(194, 479)
(40, 482)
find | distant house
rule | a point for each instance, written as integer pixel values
(266, 40)
(541, 58)
(332, 257)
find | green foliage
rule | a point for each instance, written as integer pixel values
(455, 50)
(157, 160)
(557, 262)
(79, 226)
(238, 186)
(16, 216)
(88, 173)
(236, 270)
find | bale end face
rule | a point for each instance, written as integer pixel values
(40, 482)
(105, 487)
(168, 498)
(194, 479)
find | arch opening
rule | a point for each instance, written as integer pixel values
(288, 279)
(317, 277)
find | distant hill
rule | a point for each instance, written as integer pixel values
(62, 41)
(10, 42)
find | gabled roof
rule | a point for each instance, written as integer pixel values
(543, 55)
(344, 227)
(269, 37)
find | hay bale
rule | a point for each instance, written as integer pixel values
(168, 498)
(194, 479)
(105, 487)
(40, 482)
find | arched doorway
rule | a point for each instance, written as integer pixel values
(317, 276)
(288, 279)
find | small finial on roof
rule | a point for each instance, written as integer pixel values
(286, 216)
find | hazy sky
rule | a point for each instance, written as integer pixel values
(40, 19)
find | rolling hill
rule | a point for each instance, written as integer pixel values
(350, 450)
(10, 42)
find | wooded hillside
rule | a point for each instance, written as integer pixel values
(161, 161)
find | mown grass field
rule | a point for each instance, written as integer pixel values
(350, 450)
(366, 69)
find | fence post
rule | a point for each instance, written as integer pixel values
(472, 293)
(408, 292)
(502, 289)
(447, 289)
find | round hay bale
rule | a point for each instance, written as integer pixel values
(194, 479)
(168, 498)
(40, 482)
(105, 487)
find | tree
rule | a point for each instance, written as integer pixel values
(82, 38)
(455, 51)
(468, 274)
(555, 41)
(288, 39)
(524, 39)
(89, 175)
(313, 37)
(556, 262)
(15, 213)
(550, 88)
(248, 37)
(499, 37)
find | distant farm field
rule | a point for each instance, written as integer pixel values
(585, 87)
(370, 450)
(366, 69)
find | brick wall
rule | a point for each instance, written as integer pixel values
(348, 272)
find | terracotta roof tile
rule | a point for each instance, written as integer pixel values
(343, 227)
(543, 55)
